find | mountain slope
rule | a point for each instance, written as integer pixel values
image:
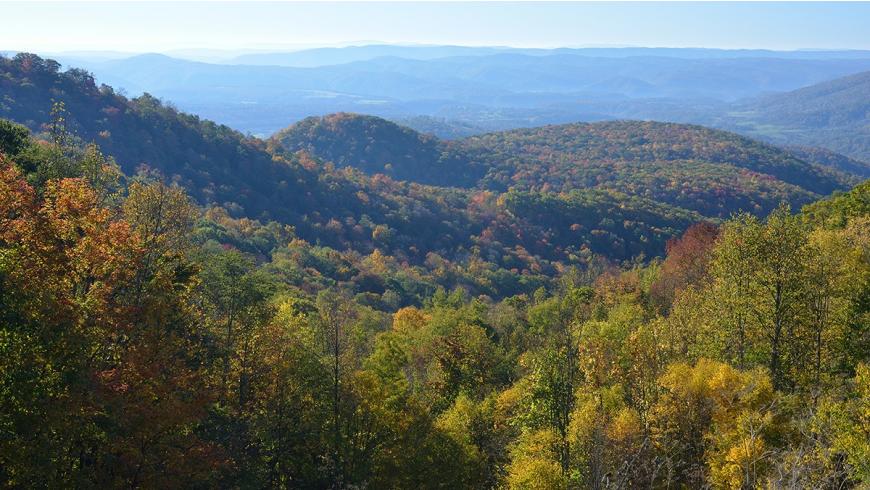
(134, 131)
(222, 167)
(837, 102)
(375, 145)
(832, 159)
(834, 114)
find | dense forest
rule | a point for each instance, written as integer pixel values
(709, 171)
(211, 311)
(375, 145)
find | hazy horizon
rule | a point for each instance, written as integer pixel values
(229, 55)
(137, 27)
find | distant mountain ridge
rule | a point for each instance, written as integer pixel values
(337, 55)
(835, 102)
(833, 114)
(492, 88)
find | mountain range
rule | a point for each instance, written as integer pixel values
(550, 195)
(487, 88)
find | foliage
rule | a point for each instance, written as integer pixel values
(712, 172)
(375, 145)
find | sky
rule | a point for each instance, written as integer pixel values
(167, 26)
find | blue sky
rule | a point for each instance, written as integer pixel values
(166, 26)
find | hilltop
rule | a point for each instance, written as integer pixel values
(375, 145)
(713, 172)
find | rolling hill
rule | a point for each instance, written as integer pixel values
(830, 158)
(375, 145)
(837, 102)
(221, 167)
(714, 173)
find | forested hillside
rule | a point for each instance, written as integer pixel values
(711, 172)
(829, 158)
(450, 237)
(375, 145)
(221, 167)
(524, 202)
(147, 342)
